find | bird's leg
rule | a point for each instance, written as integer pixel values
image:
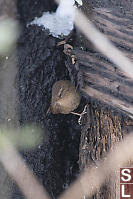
(80, 114)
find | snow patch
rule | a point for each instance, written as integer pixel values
(59, 23)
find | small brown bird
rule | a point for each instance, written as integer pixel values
(65, 98)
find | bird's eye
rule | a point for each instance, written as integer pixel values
(60, 92)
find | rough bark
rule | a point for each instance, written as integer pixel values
(101, 80)
(101, 131)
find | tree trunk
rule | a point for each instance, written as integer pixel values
(100, 132)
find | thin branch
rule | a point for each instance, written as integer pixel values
(102, 43)
(20, 172)
(93, 177)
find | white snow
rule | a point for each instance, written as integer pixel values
(59, 23)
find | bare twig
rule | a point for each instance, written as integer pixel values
(92, 178)
(102, 43)
(20, 172)
(108, 99)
